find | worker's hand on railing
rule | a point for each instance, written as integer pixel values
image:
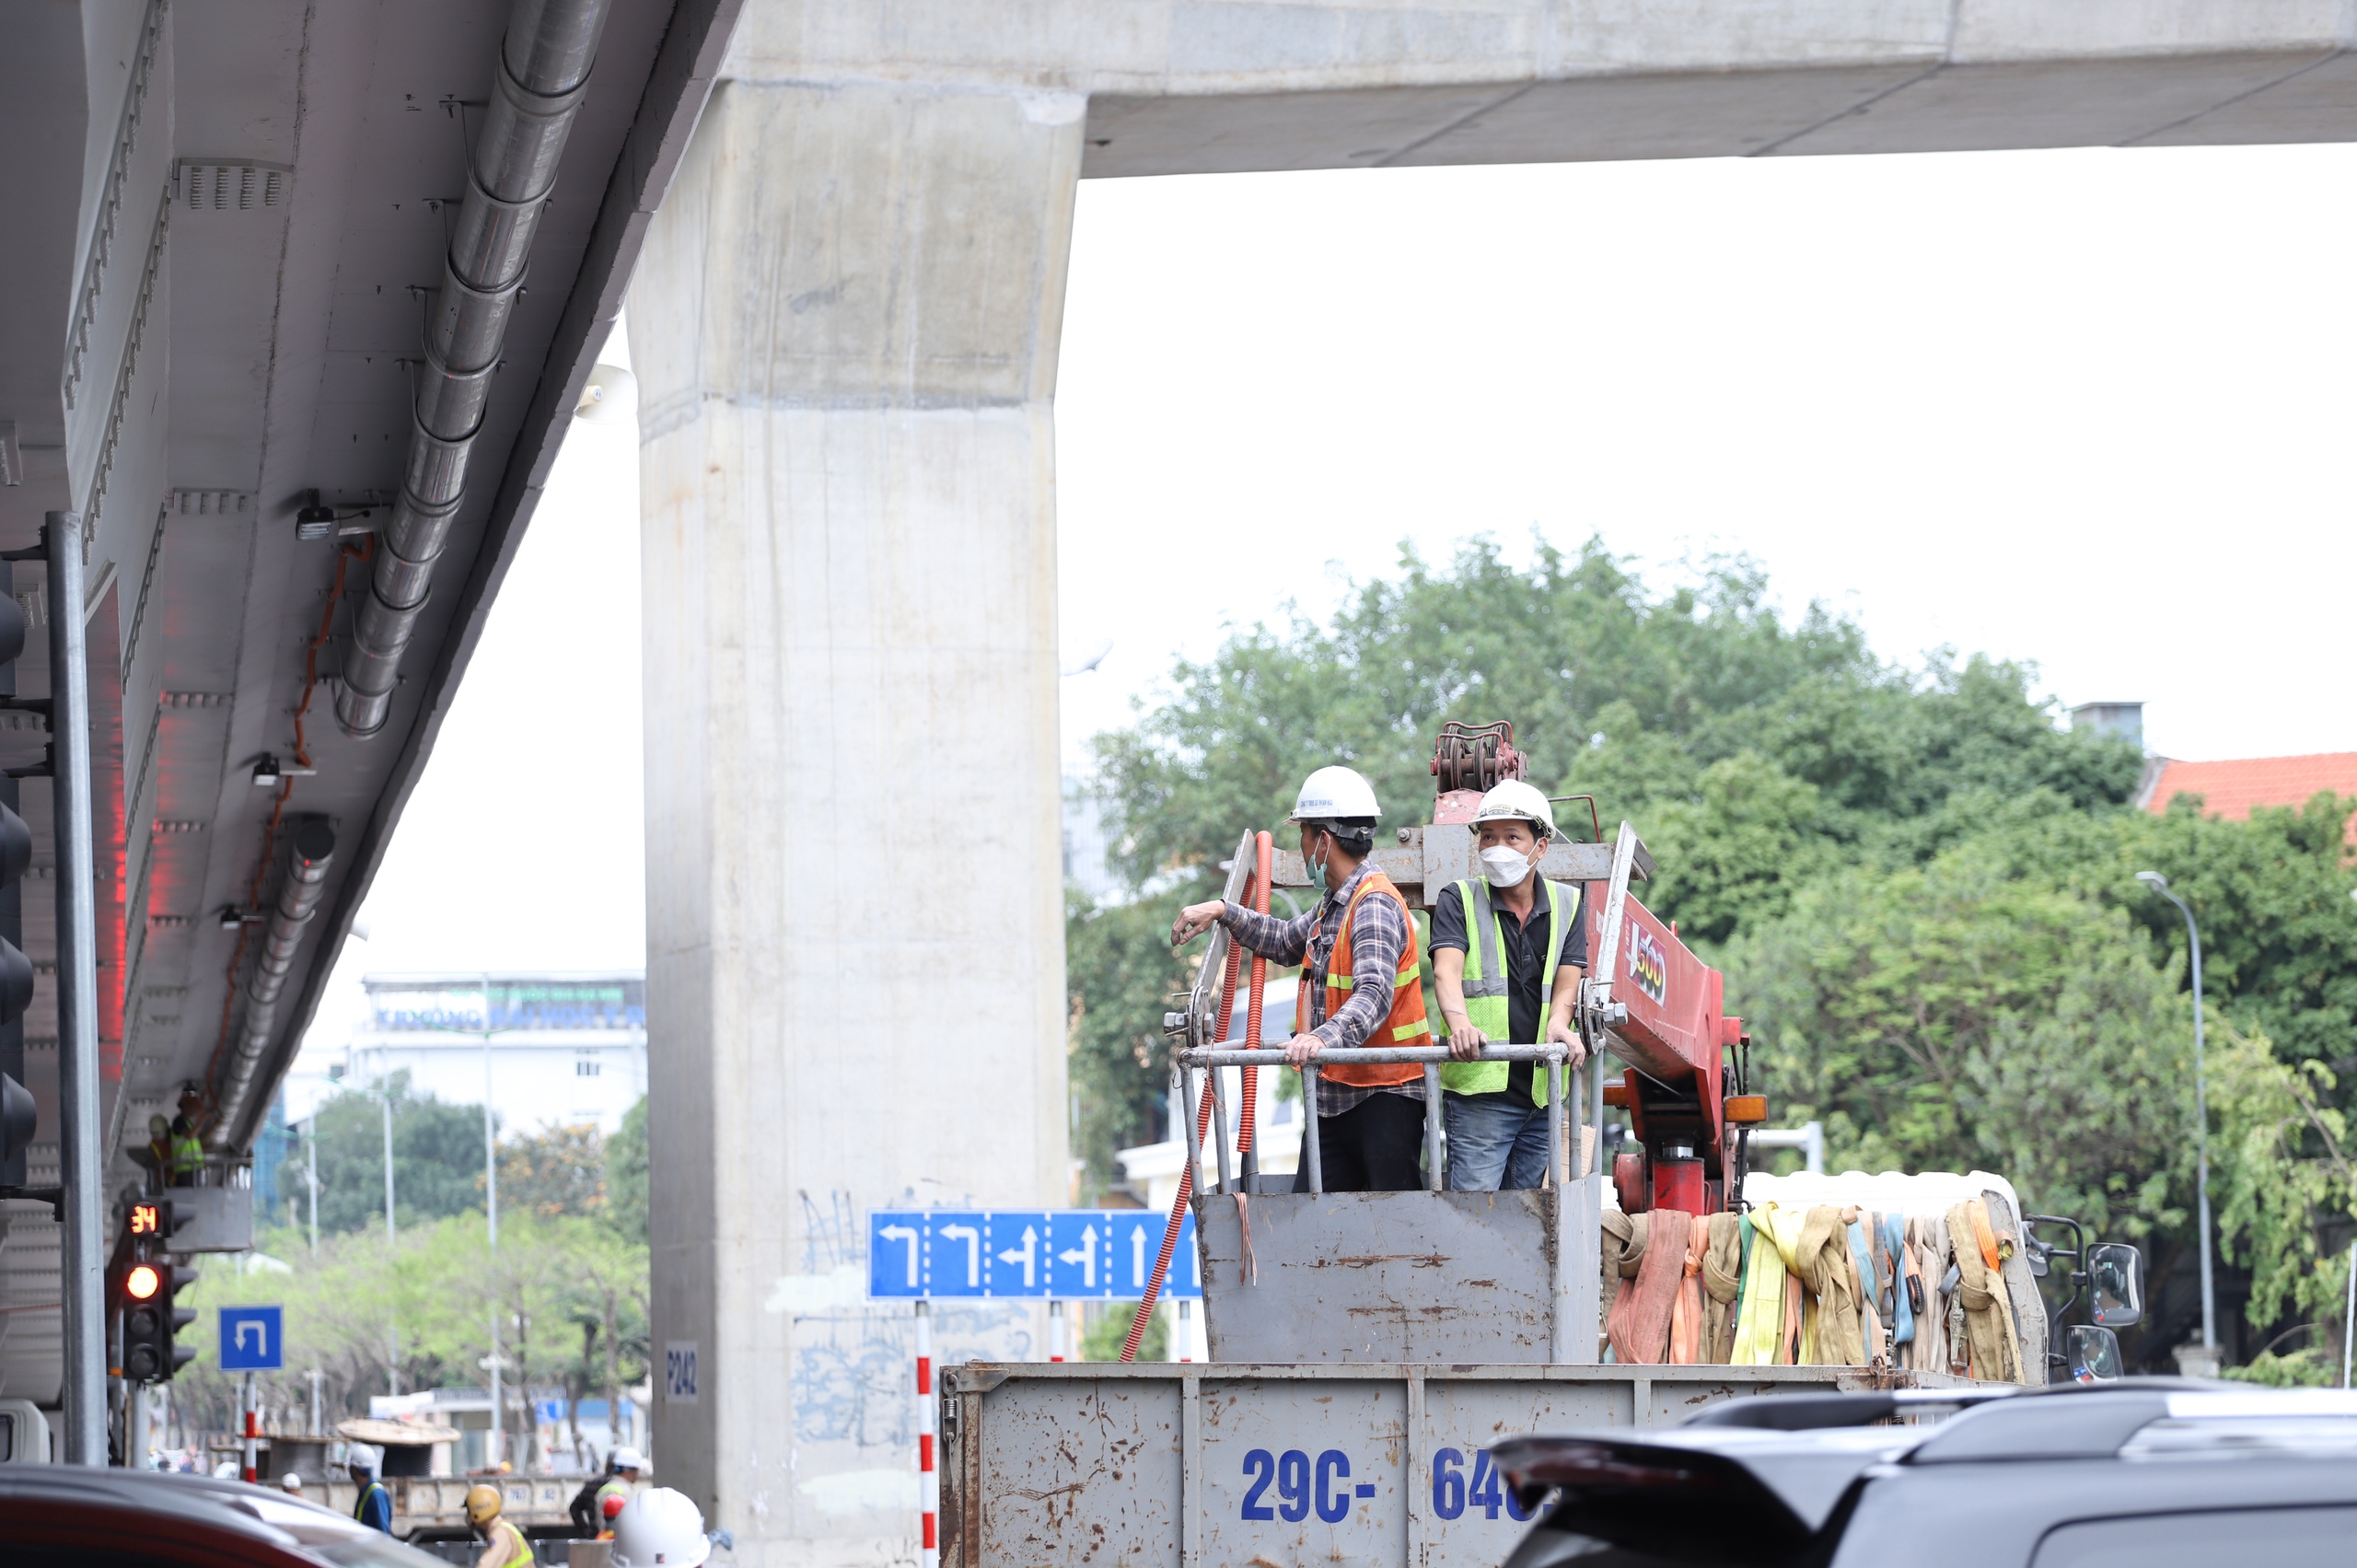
(1301, 1048)
(1564, 1035)
(1465, 1042)
(1194, 919)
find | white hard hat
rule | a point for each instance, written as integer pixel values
(291, 1481)
(629, 1459)
(1513, 800)
(661, 1529)
(1334, 792)
(363, 1457)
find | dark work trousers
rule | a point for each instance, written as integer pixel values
(1372, 1147)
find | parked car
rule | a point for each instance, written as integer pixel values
(2158, 1473)
(75, 1516)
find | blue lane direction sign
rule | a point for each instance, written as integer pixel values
(1055, 1254)
(252, 1339)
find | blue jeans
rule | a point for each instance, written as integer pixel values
(1495, 1142)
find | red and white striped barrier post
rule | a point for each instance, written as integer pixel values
(1055, 1331)
(248, 1471)
(928, 1480)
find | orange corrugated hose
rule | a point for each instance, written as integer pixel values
(1203, 1134)
(361, 550)
(1252, 1002)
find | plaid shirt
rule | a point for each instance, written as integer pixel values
(1381, 935)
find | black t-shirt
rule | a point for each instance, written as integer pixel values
(1525, 958)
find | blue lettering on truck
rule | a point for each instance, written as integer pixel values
(1485, 1489)
(1326, 1486)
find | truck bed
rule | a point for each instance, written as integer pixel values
(1195, 1464)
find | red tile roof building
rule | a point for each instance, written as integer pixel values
(2232, 789)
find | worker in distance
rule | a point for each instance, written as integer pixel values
(1360, 986)
(616, 1486)
(504, 1545)
(375, 1508)
(1508, 950)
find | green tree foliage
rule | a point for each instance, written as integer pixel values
(558, 1170)
(2278, 936)
(1949, 1016)
(1562, 647)
(419, 1314)
(2285, 1164)
(1923, 889)
(438, 1158)
(626, 1176)
(1120, 1060)
(1103, 1337)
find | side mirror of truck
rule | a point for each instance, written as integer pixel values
(2093, 1354)
(2116, 1276)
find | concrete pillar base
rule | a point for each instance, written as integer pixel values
(845, 327)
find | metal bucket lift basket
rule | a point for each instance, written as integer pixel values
(1398, 1277)
(1430, 1276)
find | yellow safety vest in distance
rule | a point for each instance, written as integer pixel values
(1486, 1006)
(519, 1551)
(188, 1155)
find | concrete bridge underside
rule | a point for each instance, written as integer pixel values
(846, 325)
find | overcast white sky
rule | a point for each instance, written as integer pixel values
(2087, 408)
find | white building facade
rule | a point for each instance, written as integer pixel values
(542, 1049)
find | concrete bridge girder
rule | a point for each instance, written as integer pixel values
(845, 324)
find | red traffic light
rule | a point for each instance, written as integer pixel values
(142, 1282)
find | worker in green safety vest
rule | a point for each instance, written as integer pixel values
(187, 1164)
(1508, 949)
(159, 1147)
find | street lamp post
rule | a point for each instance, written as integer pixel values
(311, 1157)
(2160, 885)
(386, 1100)
(497, 1439)
(491, 1214)
(393, 1331)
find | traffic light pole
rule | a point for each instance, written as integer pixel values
(77, 998)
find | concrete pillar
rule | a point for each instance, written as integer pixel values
(845, 326)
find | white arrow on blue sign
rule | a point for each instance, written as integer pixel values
(251, 1339)
(1055, 1254)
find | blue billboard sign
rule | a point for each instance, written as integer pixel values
(1049, 1254)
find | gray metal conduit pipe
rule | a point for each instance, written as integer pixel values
(298, 899)
(544, 62)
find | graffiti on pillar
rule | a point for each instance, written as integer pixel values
(832, 1234)
(852, 1358)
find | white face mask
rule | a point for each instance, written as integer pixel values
(1504, 867)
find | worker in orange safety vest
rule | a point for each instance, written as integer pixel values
(1360, 957)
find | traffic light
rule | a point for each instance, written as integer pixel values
(151, 1322)
(17, 1118)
